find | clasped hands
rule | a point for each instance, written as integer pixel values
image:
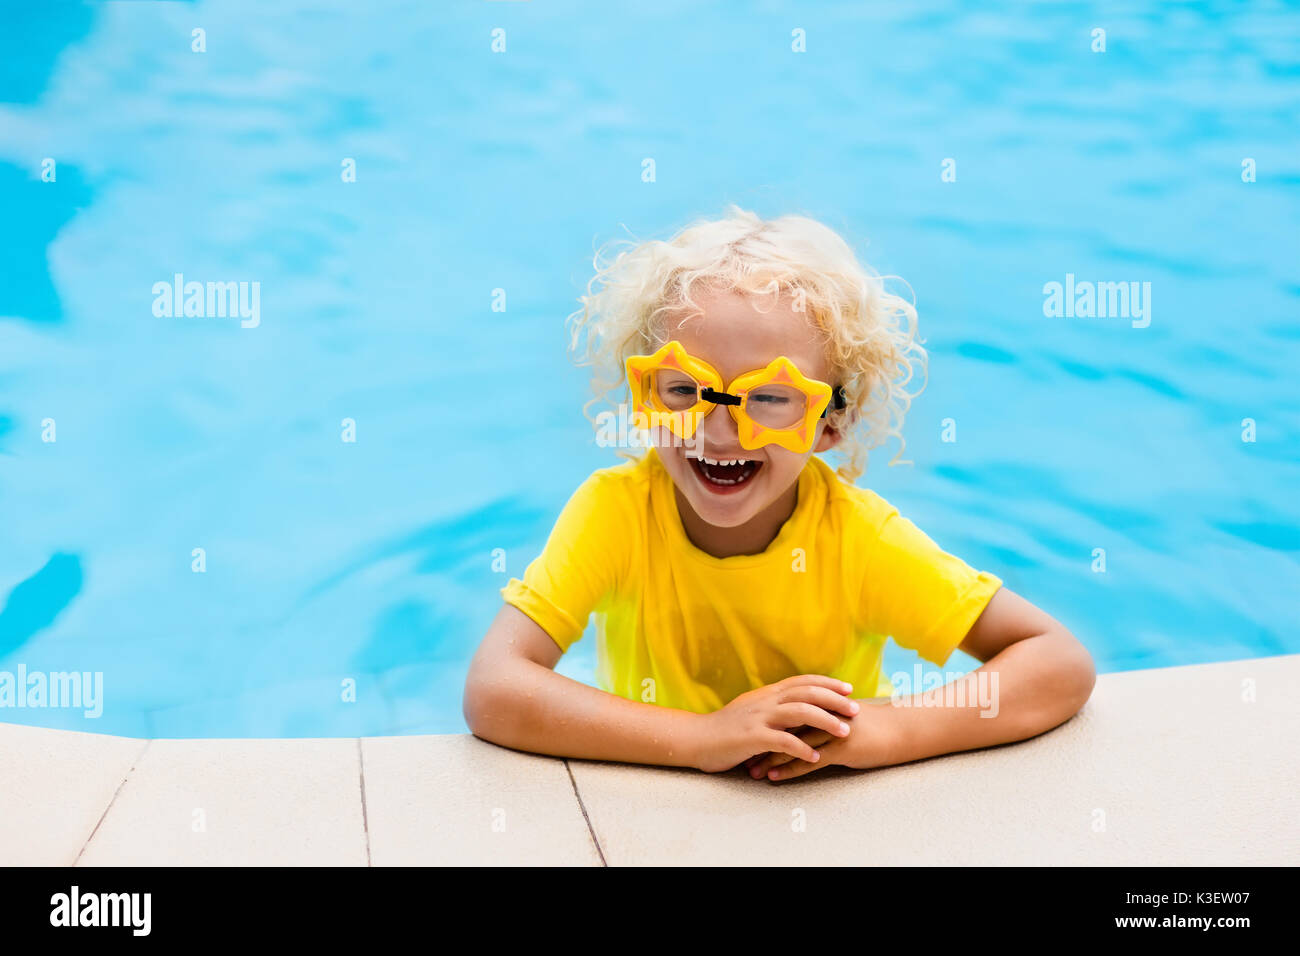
(785, 730)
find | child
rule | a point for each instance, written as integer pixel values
(743, 590)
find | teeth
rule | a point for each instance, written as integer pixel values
(724, 481)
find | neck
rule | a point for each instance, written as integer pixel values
(752, 537)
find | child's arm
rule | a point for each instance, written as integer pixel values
(1036, 675)
(513, 697)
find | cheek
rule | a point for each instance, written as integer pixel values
(672, 451)
(785, 462)
(661, 437)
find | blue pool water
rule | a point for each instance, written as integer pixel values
(372, 561)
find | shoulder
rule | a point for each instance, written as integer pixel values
(856, 510)
(616, 493)
(628, 479)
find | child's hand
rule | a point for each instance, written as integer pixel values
(756, 722)
(867, 745)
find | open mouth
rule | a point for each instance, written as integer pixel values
(727, 474)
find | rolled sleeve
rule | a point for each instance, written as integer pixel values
(551, 618)
(580, 564)
(926, 599)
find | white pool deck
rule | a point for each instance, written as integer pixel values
(1175, 766)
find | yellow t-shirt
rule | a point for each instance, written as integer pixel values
(684, 629)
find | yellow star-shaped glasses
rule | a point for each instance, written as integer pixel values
(775, 405)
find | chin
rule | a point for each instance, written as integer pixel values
(723, 514)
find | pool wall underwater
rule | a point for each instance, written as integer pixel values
(294, 519)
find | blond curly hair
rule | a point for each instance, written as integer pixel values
(869, 333)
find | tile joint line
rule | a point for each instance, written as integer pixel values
(103, 816)
(365, 820)
(583, 807)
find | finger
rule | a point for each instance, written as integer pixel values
(815, 739)
(791, 714)
(782, 742)
(823, 697)
(797, 731)
(820, 680)
(796, 768)
(827, 756)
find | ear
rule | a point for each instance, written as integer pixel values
(827, 439)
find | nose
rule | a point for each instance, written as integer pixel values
(717, 431)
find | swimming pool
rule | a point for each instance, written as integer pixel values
(345, 584)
